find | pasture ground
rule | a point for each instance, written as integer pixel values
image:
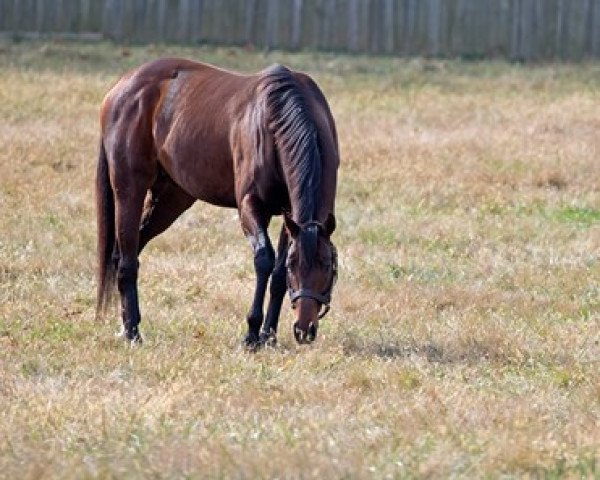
(464, 335)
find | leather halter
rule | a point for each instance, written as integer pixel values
(323, 298)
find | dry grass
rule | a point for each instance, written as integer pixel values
(464, 335)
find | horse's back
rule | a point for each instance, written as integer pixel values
(183, 115)
(175, 112)
(150, 76)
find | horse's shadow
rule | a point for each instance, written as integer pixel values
(433, 352)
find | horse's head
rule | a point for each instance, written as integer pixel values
(311, 274)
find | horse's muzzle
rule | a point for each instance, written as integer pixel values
(305, 336)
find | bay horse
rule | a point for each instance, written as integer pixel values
(174, 131)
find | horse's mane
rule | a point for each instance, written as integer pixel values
(295, 135)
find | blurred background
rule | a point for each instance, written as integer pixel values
(520, 30)
(463, 340)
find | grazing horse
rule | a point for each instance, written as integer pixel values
(176, 131)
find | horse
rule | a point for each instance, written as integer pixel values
(174, 131)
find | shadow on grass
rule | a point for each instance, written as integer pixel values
(355, 345)
(433, 352)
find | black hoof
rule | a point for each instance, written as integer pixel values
(251, 342)
(268, 339)
(132, 336)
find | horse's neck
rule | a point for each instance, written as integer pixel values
(320, 205)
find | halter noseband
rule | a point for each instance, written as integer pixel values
(323, 298)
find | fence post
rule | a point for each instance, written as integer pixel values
(272, 37)
(388, 22)
(249, 24)
(588, 15)
(296, 24)
(39, 15)
(434, 15)
(595, 30)
(515, 39)
(196, 21)
(109, 28)
(353, 25)
(560, 22)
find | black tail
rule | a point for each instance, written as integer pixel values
(105, 212)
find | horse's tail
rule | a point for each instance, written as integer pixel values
(105, 212)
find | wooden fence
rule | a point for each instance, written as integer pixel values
(517, 29)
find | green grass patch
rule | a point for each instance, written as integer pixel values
(581, 216)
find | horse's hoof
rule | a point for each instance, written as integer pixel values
(268, 339)
(251, 342)
(133, 337)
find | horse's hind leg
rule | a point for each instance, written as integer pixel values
(130, 193)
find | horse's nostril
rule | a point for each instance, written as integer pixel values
(299, 334)
(311, 334)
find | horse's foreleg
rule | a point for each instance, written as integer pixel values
(254, 223)
(277, 291)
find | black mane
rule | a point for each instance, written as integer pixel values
(295, 134)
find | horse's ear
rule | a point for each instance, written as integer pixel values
(329, 226)
(291, 226)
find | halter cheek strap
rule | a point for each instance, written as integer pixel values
(323, 298)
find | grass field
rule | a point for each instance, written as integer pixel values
(464, 336)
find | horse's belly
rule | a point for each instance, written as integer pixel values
(206, 178)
